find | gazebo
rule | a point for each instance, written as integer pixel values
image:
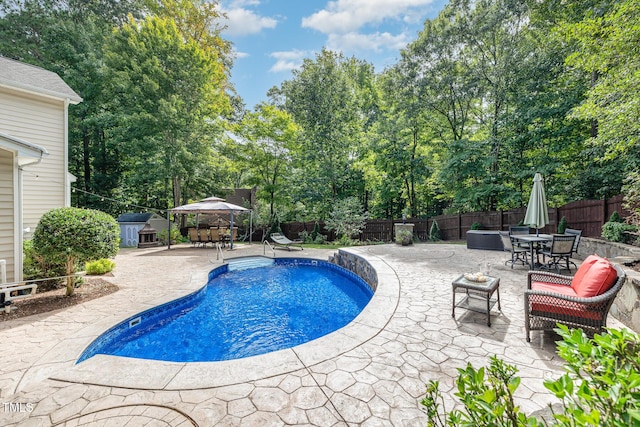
(211, 205)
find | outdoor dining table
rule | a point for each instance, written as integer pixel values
(532, 240)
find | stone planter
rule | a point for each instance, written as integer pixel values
(403, 233)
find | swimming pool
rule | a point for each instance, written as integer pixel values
(245, 309)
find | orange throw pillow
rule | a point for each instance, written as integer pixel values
(594, 277)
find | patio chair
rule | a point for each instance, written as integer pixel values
(518, 253)
(214, 234)
(582, 301)
(578, 234)
(281, 241)
(518, 229)
(193, 237)
(559, 249)
(203, 233)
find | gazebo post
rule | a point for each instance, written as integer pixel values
(168, 228)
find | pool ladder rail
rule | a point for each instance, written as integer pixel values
(264, 247)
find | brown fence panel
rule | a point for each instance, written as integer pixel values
(449, 226)
(378, 230)
(614, 204)
(585, 215)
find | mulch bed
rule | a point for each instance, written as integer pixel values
(48, 301)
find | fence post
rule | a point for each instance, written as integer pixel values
(459, 226)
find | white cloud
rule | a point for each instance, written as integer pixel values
(242, 3)
(287, 60)
(345, 16)
(240, 55)
(242, 22)
(376, 42)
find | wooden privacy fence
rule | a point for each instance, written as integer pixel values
(585, 215)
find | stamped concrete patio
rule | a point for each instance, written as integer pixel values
(371, 373)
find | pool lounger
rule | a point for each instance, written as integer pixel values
(281, 241)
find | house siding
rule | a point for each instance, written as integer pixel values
(7, 205)
(41, 121)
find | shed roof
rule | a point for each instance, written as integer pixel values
(135, 217)
(34, 79)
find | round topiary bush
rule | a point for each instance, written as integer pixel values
(74, 235)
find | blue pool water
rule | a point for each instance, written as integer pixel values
(249, 311)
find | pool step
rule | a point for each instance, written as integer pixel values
(245, 263)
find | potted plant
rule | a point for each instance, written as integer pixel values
(404, 237)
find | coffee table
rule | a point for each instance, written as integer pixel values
(478, 295)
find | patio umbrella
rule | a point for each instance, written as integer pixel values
(537, 211)
(211, 206)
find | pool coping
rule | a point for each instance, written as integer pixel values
(115, 371)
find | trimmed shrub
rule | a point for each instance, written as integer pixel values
(34, 267)
(562, 225)
(74, 235)
(98, 267)
(615, 217)
(616, 231)
(315, 232)
(476, 226)
(434, 232)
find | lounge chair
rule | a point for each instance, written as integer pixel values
(281, 241)
(579, 301)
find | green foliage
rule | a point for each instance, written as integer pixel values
(600, 387)
(347, 218)
(35, 266)
(270, 136)
(562, 225)
(616, 231)
(602, 381)
(434, 232)
(175, 235)
(275, 228)
(631, 191)
(315, 237)
(315, 232)
(487, 397)
(615, 217)
(100, 266)
(476, 226)
(404, 237)
(167, 111)
(72, 235)
(607, 46)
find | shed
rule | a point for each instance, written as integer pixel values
(131, 223)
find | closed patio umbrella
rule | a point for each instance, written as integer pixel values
(537, 211)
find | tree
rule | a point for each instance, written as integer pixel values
(270, 135)
(66, 37)
(167, 97)
(323, 100)
(73, 235)
(346, 218)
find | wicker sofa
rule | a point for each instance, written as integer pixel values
(579, 301)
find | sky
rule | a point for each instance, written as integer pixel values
(272, 37)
